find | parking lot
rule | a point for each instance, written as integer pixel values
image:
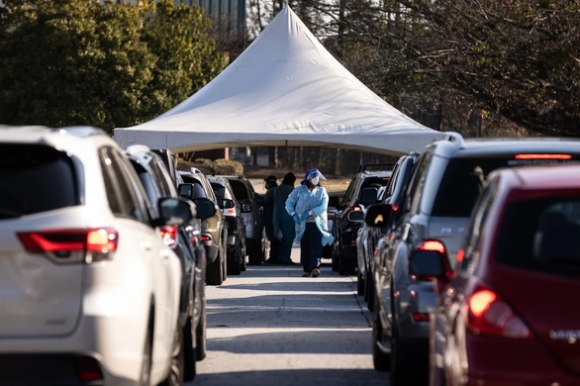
(270, 326)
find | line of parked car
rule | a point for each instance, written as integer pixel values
(104, 256)
(470, 263)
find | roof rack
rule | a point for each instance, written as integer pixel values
(364, 167)
(451, 136)
(81, 131)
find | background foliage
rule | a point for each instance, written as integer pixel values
(73, 62)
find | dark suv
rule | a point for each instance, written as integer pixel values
(369, 237)
(252, 214)
(446, 182)
(213, 230)
(232, 211)
(356, 198)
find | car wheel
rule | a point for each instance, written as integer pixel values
(189, 353)
(214, 272)
(243, 257)
(224, 255)
(381, 361)
(201, 336)
(360, 284)
(255, 252)
(370, 292)
(345, 267)
(235, 263)
(175, 376)
(334, 260)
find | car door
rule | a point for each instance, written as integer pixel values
(164, 267)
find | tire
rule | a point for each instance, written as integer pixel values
(201, 337)
(381, 361)
(175, 376)
(370, 293)
(345, 267)
(214, 272)
(255, 252)
(334, 261)
(235, 264)
(244, 260)
(360, 285)
(189, 354)
(145, 375)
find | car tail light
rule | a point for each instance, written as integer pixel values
(543, 156)
(432, 245)
(420, 317)
(395, 207)
(88, 369)
(460, 255)
(330, 216)
(230, 212)
(353, 242)
(168, 234)
(486, 313)
(99, 243)
(355, 207)
(205, 238)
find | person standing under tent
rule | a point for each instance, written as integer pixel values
(283, 222)
(307, 204)
(267, 202)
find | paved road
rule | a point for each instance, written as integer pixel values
(272, 327)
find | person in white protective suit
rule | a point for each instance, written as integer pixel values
(307, 204)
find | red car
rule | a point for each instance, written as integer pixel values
(509, 313)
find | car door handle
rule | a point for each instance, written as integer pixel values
(146, 245)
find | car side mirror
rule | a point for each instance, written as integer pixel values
(368, 196)
(227, 204)
(357, 216)
(377, 216)
(185, 190)
(426, 265)
(175, 211)
(205, 208)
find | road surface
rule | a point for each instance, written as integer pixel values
(272, 327)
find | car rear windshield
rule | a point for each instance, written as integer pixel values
(219, 190)
(240, 190)
(35, 179)
(542, 235)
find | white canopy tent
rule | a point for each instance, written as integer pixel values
(284, 90)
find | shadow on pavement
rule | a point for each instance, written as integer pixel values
(302, 377)
(320, 286)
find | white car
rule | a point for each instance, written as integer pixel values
(89, 293)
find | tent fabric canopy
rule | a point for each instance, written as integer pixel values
(285, 89)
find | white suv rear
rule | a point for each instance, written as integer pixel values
(89, 292)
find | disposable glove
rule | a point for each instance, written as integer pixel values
(305, 216)
(296, 219)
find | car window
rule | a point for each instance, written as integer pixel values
(373, 182)
(349, 190)
(542, 235)
(418, 182)
(219, 190)
(468, 256)
(35, 179)
(160, 179)
(393, 180)
(239, 189)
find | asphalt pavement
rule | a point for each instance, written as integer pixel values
(271, 327)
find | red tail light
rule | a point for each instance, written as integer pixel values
(395, 207)
(486, 313)
(230, 211)
(169, 235)
(88, 369)
(330, 216)
(460, 255)
(543, 156)
(205, 238)
(100, 241)
(417, 317)
(432, 245)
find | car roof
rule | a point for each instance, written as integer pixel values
(504, 146)
(546, 177)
